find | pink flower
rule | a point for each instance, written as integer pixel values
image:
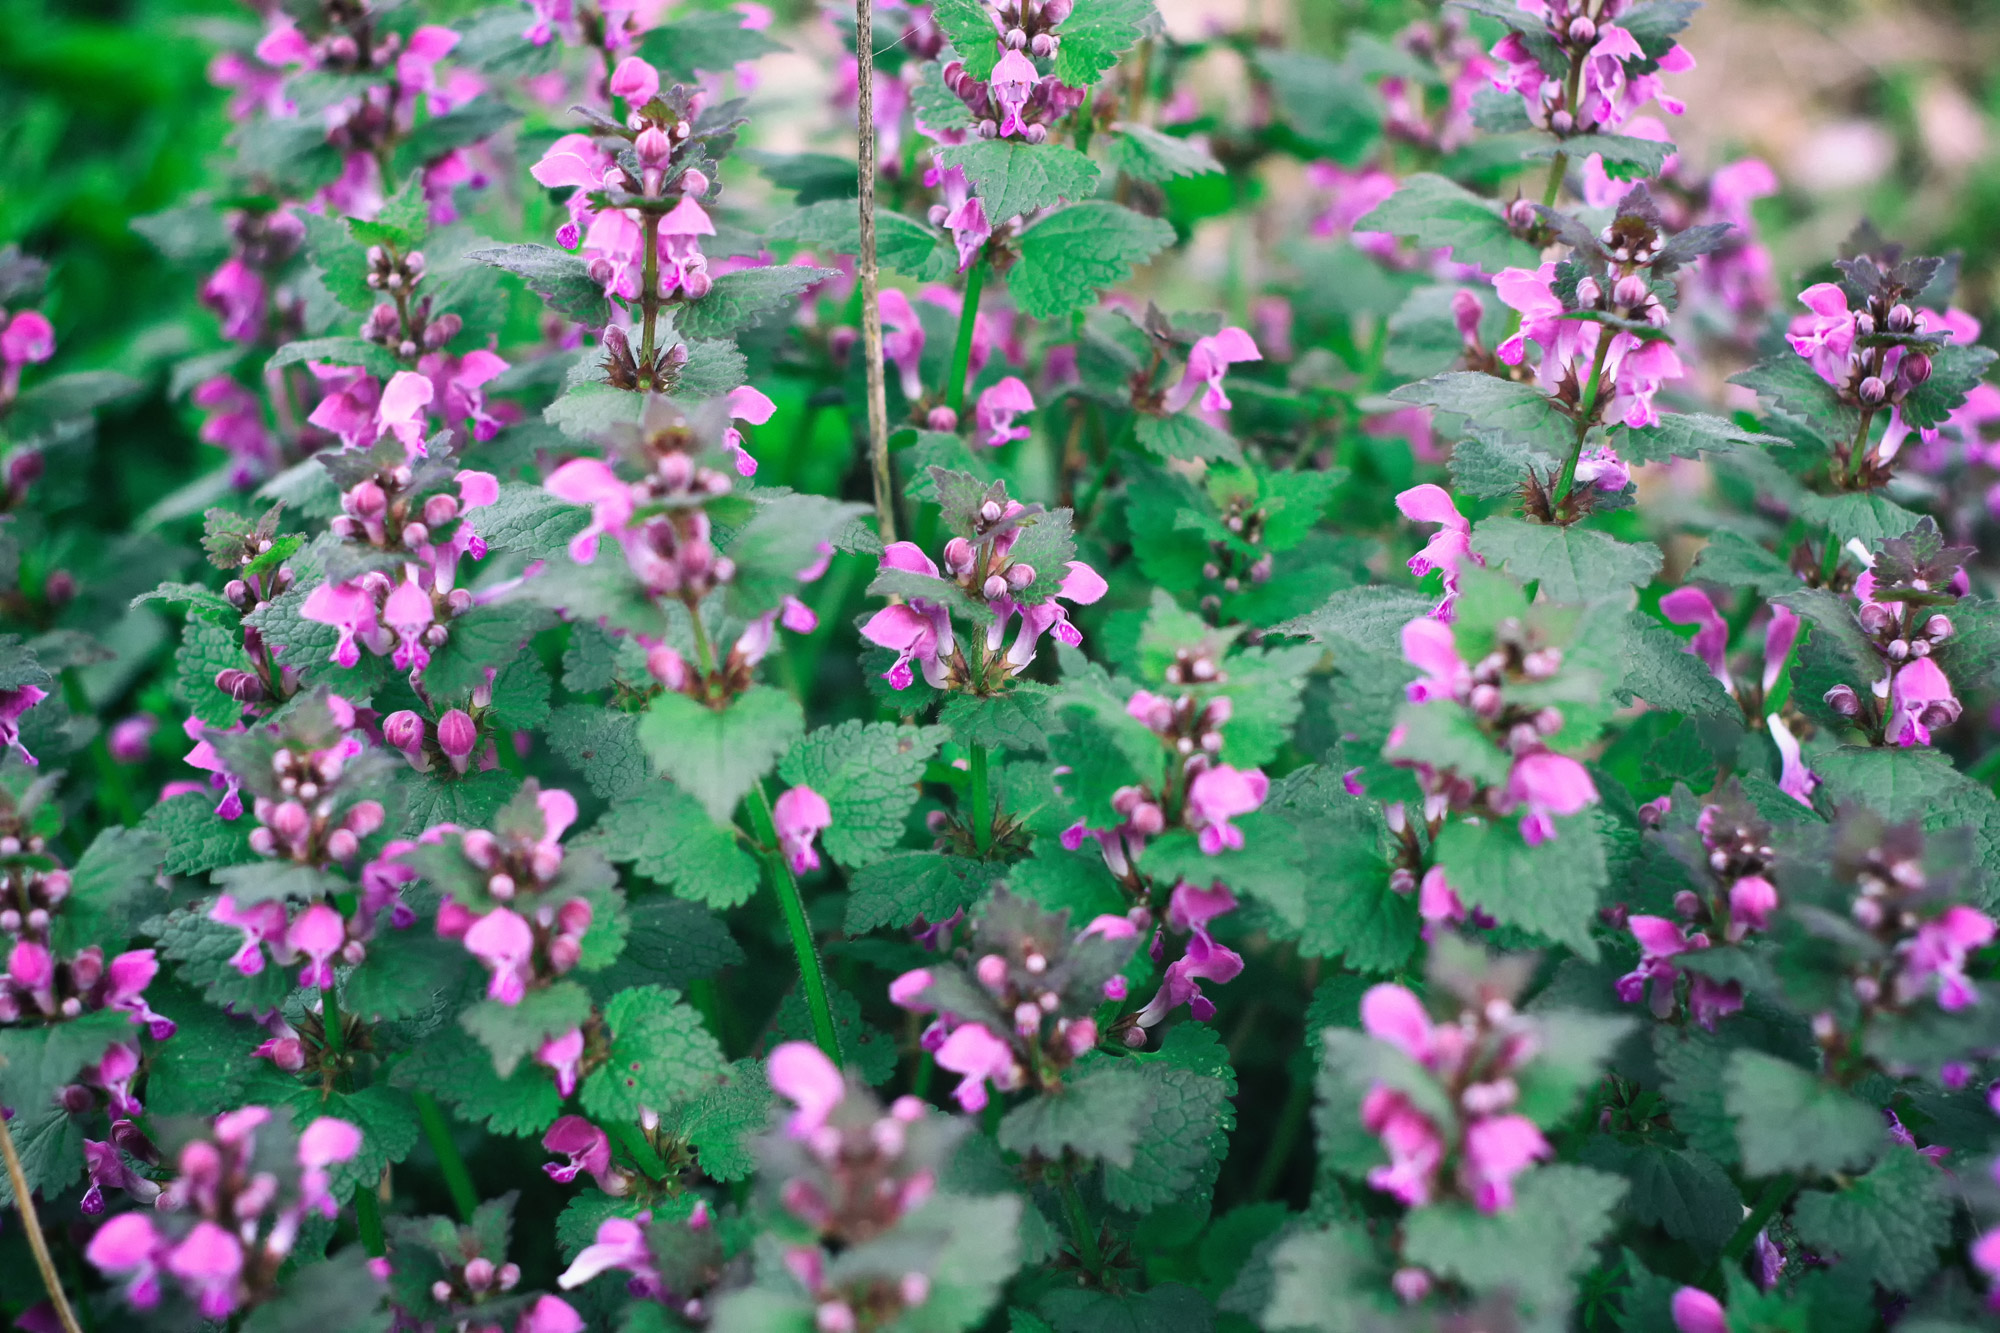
(1013, 82)
(1191, 909)
(260, 923)
(1393, 1014)
(635, 81)
(1695, 1311)
(997, 408)
(350, 608)
(563, 1056)
(549, 1314)
(1208, 361)
(801, 1072)
(325, 1142)
(236, 293)
(1430, 646)
(799, 816)
(208, 1262)
(590, 481)
(1414, 1145)
(902, 340)
(1216, 796)
(745, 404)
(1752, 899)
(1940, 949)
(1689, 605)
(685, 269)
(1920, 698)
(620, 1243)
(505, 944)
(1498, 1148)
(1826, 336)
(970, 229)
(978, 1055)
(13, 704)
(129, 1247)
(1548, 784)
(1449, 548)
(319, 932)
(1794, 779)
(28, 336)
(587, 1148)
(409, 613)
(1437, 901)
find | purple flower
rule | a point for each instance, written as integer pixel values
(1940, 949)
(801, 1072)
(208, 1261)
(590, 481)
(1216, 796)
(1208, 361)
(505, 944)
(1449, 547)
(129, 1247)
(620, 1243)
(261, 923)
(978, 1055)
(1689, 605)
(800, 815)
(1794, 779)
(1498, 1148)
(1547, 784)
(14, 703)
(1695, 1311)
(996, 410)
(1920, 698)
(325, 1142)
(745, 404)
(549, 1314)
(349, 608)
(1430, 646)
(902, 340)
(564, 1056)
(1013, 82)
(28, 336)
(587, 1148)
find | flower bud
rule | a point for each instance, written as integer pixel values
(990, 511)
(694, 183)
(1042, 45)
(456, 735)
(1582, 31)
(481, 848)
(1631, 291)
(942, 418)
(994, 588)
(241, 686)
(1916, 369)
(1035, 134)
(1562, 122)
(992, 972)
(959, 555)
(564, 954)
(1872, 391)
(653, 147)
(1842, 700)
(1901, 318)
(1015, 39)
(1520, 216)
(342, 845)
(440, 510)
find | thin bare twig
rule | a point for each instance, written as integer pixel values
(871, 313)
(24, 1204)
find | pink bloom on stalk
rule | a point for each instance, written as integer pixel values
(588, 1149)
(1208, 361)
(563, 1056)
(1394, 1014)
(506, 945)
(1449, 547)
(970, 229)
(590, 481)
(1599, 466)
(1940, 949)
(1081, 584)
(745, 404)
(1414, 1145)
(208, 1261)
(997, 408)
(1548, 784)
(1779, 636)
(1794, 778)
(202, 756)
(1498, 1148)
(1732, 188)
(13, 704)
(236, 293)
(1826, 336)
(1531, 292)
(1689, 605)
(349, 608)
(635, 81)
(620, 1243)
(319, 933)
(918, 630)
(1695, 1311)
(260, 923)
(905, 990)
(401, 411)
(1013, 83)
(28, 336)
(800, 815)
(1920, 698)
(1985, 1254)
(1752, 899)
(1437, 901)
(1191, 909)
(801, 1072)
(549, 1314)
(126, 979)
(131, 739)
(1430, 646)
(686, 268)
(458, 388)
(978, 1055)
(1354, 195)
(409, 613)
(128, 1246)
(1216, 796)
(1660, 940)
(902, 339)
(325, 1142)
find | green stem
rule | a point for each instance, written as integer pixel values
(38, 1245)
(457, 1179)
(1585, 415)
(649, 299)
(114, 793)
(367, 1208)
(979, 803)
(1085, 510)
(961, 352)
(1290, 1121)
(1775, 1196)
(1557, 167)
(1083, 1234)
(811, 978)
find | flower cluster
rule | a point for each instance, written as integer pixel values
(230, 1217)
(1902, 593)
(1578, 71)
(1905, 891)
(1689, 605)
(1016, 98)
(676, 1263)
(1014, 1007)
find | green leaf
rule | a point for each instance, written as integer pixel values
(1326, 1280)
(1625, 158)
(402, 222)
(721, 1121)
(1534, 1250)
(458, 128)
(1890, 1223)
(713, 41)
(453, 1067)
(1016, 720)
(1444, 735)
(469, 800)
(1493, 465)
(112, 886)
(385, 1116)
(784, 535)
(898, 889)
(1790, 384)
(342, 265)
(1014, 177)
(1180, 1143)
(1573, 1049)
(746, 298)
(201, 950)
(1069, 255)
(339, 351)
(480, 638)
(669, 942)
(562, 280)
(1916, 783)
(1869, 517)
(812, 177)
(200, 602)
(1332, 109)
(666, 835)
(36, 1063)
(49, 1141)
(407, 974)
(1687, 435)
(1434, 212)
(1682, 1191)
(1550, 890)
(1095, 36)
(716, 755)
(1185, 437)
(1660, 669)
(1733, 559)
(1146, 154)
(1489, 401)
(1571, 564)
(660, 1052)
(901, 243)
(868, 774)
(513, 1032)
(968, 26)
(603, 745)
(1788, 1120)
(206, 649)
(1367, 619)
(864, 1048)
(586, 411)
(1099, 1115)
(336, 1295)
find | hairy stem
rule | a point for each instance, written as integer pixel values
(367, 1207)
(1775, 1196)
(1082, 1234)
(1586, 415)
(1088, 506)
(979, 801)
(457, 1179)
(1558, 167)
(961, 352)
(871, 312)
(1290, 1120)
(812, 979)
(649, 297)
(24, 1204)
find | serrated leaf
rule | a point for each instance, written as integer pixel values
(562, 280)
(1550, 890)
(1660, 669)
(868, 773)
(452, 1066)
(1788, 1120)
(1185, 437)
(745, 298)
(1571, 564)
(1143, 153)
(1177, 1148)
(1686, 435)
(1014, 177)
(1095, 36)
(1098, 1116)
(1625, 157)
(660, 1052)
(1533, 1250)
(716, 755)
(513, 1032)
(968, 26)
(603, 745)
(339, 351)
(1069, 255)
(1889, 1224)
(1488, 401)
(1955, 370)
(1435, 212)
(712, 41)
(902, 243)
(667, 836)
(897, 890)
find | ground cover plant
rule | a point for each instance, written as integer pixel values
(788, 740)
